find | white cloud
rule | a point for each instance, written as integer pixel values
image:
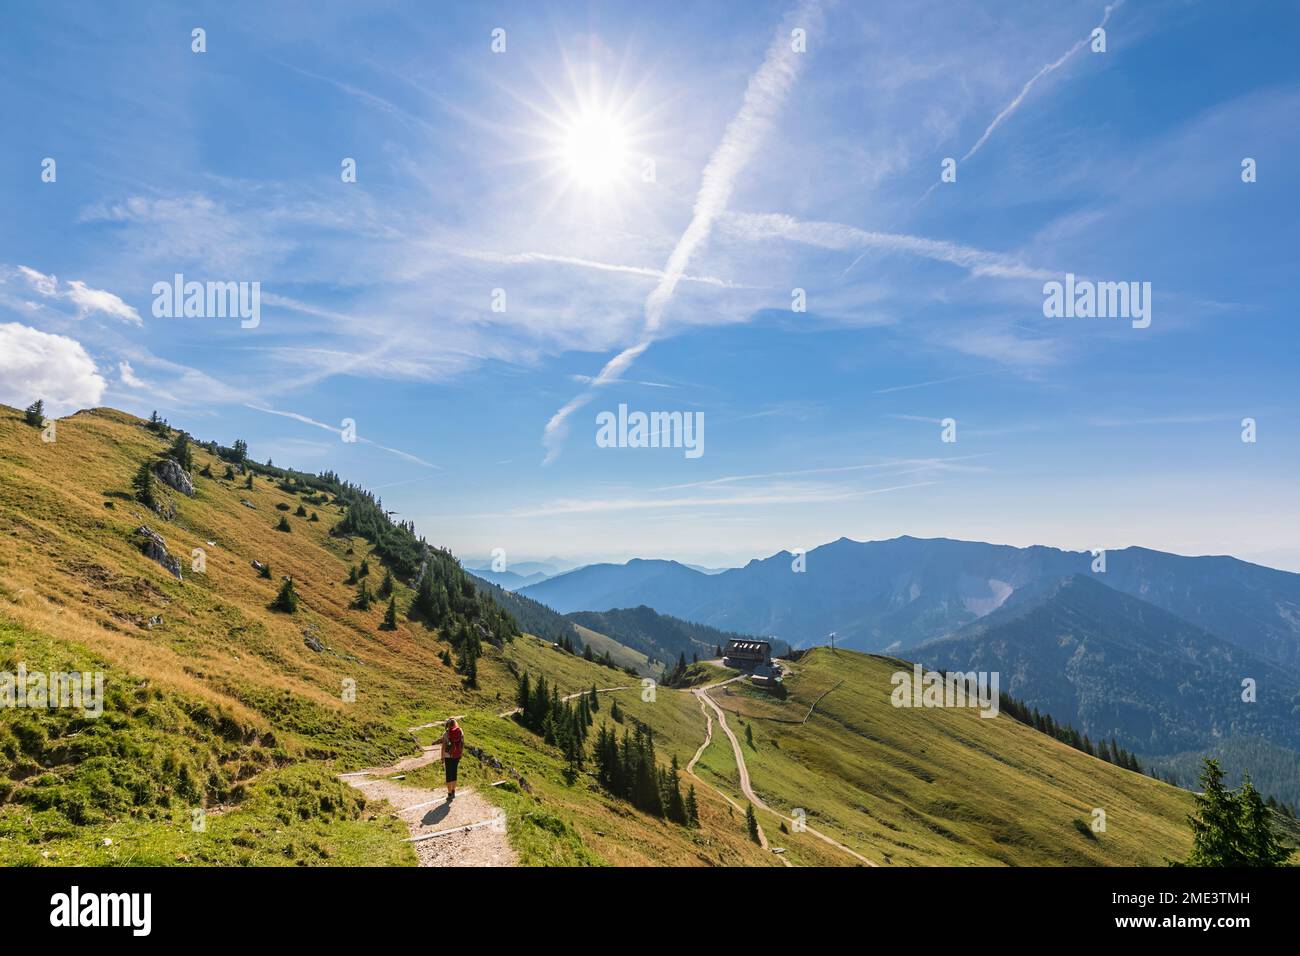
(87, 300)
(128, 376)
(45, 285)
(35, 364)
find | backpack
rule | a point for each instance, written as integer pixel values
(455, 742)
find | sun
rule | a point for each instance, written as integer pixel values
(594, 150)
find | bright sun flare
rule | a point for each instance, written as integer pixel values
(595, 150)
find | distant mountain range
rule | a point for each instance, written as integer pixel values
(896, 594)
(655, 640)
(1152, 651)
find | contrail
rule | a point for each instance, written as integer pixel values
(831, 235)
(764, 97)
(1024, 90)
(338, 431)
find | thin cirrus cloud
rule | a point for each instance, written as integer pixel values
(744, 500)
(764, 96)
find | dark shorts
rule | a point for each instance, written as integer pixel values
(450, 765)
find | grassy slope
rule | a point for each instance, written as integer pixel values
(74, 588)
(622, 656)
(943, 786)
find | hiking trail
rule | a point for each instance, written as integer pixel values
(743, 772)
(467, 832)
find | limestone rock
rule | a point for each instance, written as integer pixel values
(171, 474)
(153, 547)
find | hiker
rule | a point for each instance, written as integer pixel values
(453, 743)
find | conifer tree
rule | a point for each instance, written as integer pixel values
(674, 804)
(386, 585)
(180, 450)
(34, 414)
(1262, 846)
(1217, 835)
(283, 525)
(287, 599)
(751, 821)
(390, 614)
(146, 491)
(363, 598)
(692, 808)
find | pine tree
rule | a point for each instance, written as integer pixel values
(352, 575)
(674, 804)
(1262, 847)
(248, 482)
(287, 599)
(230, 474)
(749, 736)
(363, 598)
(595, 699)
(34, 414)
(751, 821)
(145, 489)
(522, 698)
(692, 808)
(181, 451)
(386, 585)
(390, 615)
(1217, 837)
(265, 572)
(365, 568)
(283, 525)
(301, 512)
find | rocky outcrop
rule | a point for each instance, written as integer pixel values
(311, 637)
(171, 474)
(153, 547)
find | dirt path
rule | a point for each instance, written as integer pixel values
(467, 832)
(743, 771)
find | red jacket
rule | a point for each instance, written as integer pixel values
(455, 743)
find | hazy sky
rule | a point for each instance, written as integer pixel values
(617, 209)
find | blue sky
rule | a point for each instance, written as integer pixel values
(773, 170)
